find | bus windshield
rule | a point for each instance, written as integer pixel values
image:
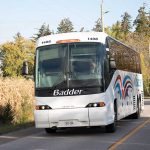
(70, 65)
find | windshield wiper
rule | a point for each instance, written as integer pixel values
(60, 80)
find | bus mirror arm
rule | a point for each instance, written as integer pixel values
(25, 68)
(108, 54)
(112, 64)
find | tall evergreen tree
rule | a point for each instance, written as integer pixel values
(98, 26)
(65, 26)
(126, 24)
(42, 31)
(116, 30)
(142, 22)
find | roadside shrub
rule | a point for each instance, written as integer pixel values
(7, 115)
(16, 100)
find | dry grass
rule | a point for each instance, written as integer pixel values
(19, 95)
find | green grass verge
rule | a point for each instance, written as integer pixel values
(6, 128)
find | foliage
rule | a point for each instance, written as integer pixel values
(42, 31)
(14, 55)
(98, 26)
(1, 59)
(65, 26)
(141, 44)
(6, 115)
(142, 22)
(108, 30)
(16, 100)
(146, 75)
(82, 29)
(125, 24)
(116, 31)
(138, 39)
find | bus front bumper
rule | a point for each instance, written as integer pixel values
(78, 117)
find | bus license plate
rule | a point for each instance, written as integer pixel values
(69, 123)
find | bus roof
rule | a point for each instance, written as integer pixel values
(72, 37)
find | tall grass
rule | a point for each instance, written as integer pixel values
(16, 100)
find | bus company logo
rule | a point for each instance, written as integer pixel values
(67, 92)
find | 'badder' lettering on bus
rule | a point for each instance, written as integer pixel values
(67, 92)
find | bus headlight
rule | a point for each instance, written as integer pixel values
(42, 107)
(97, 104)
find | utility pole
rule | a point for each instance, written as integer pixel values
(102, 20)
(102, 16)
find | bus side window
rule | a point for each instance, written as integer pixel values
(107, 65)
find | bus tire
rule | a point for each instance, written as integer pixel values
(112, 127)
(50, 130)
(137, 114)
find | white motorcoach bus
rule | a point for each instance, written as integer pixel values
(84, 80)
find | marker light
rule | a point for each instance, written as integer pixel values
(68, 41)
(42, 107)
(97, 104)
(101, 104)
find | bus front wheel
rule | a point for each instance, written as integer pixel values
(112, 127)
(50, 130)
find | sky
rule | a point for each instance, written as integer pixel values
(26, 16)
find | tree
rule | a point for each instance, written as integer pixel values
(65, 26)
(82, 29)
(138, 40)
(141, 44)
(1, 61)
(146, 73)
(14, 53)
(42, 31)
(126, 24)
(116, 30)
(108, 30)
(98, 26)
(142, 22)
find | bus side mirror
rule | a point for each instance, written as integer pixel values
(25, 68)
(112, 64)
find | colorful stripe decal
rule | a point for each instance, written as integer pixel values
(123, 86)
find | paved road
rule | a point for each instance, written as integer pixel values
(131, 134)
